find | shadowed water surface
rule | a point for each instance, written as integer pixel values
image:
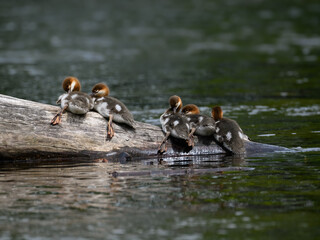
(258, 59)
(278, 199)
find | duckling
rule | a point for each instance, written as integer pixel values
(174, 124)
(110, 108)
(175, 103)
(228, 134)
(73, 100)
(199, 124)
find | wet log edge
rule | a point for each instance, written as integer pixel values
(174, 172)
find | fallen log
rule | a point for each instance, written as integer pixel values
(26, 134)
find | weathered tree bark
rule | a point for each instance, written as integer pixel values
(26, 134)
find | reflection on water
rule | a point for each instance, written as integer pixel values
(259, 60)
(85, 201)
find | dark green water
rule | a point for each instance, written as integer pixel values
(259, 59)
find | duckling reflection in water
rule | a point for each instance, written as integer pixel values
(174, 124)
(73, 100)
(110, 108)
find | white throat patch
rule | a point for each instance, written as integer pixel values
(72, 86)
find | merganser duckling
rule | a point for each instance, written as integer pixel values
(110, 108)
(199, 124)
(73, 100)
(228, 134)
(174, 124)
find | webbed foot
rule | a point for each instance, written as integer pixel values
(56, 120)
(110, 132)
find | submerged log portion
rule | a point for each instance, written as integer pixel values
(26, 134)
